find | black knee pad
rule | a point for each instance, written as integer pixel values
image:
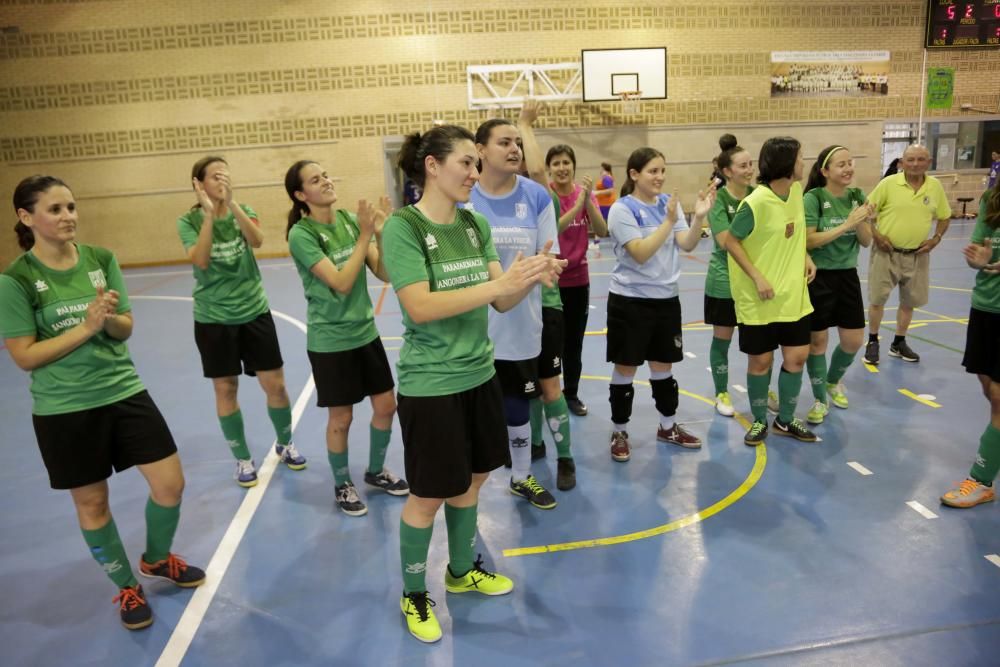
(666, 396)
(621, 402)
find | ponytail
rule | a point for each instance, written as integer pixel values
(293, 184)
(639, 158)
(26, 195)
(436, 142)
(25, 237)
(816, 177)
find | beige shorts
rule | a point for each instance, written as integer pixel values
(908, 270)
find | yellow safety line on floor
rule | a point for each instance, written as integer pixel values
(918, 399)
(760, 462)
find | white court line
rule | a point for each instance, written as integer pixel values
(738, 387)
(921, 510)
(993, 558)
(860, 468)
(690, 355)
(183, 634)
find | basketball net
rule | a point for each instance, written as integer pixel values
(630, 101)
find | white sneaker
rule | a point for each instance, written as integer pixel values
(723, 404)
(246, 473)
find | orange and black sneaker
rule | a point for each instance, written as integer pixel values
(135, 612)
(173, 569)
(969, 493)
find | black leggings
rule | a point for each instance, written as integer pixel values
(576, 309)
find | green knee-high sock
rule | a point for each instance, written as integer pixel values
(988, 458)
(161, 524)
(816, 365)
(414, 543)
(461, 522)
(718, 358)
(232, 430)
(282, 420)
(840, 361)
(757, 391)
(557, 417)
(789, 386)
(106, 548)
(537, 418)
(379, 445)
(338, 464)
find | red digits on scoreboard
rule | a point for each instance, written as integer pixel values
(970, 10)
(950, 11)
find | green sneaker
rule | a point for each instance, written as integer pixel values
(772, 401)
(479, 580)
(817, 413)
(420, 620)
(756, 435)
(837, 394)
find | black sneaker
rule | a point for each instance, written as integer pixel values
(565, 474)
(793, 429)
(871, 353)
(756, 435)
(533, 492)
(387, 482)
(902, 351)
(135, 612)
(173, 569)
(538, 451)
(576, 406)
(348, 500)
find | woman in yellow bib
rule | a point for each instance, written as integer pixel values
(769, 272)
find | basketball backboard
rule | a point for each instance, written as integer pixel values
(607, 73)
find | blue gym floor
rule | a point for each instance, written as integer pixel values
(783, 555)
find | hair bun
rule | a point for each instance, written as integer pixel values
(727, 141)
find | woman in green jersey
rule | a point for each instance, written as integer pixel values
(735, 169)
(837, 222)
(982, 349)
(233, 327)
(65, 317)
(769, 270)
(446, 271)
(331, 248)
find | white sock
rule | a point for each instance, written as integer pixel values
(520, 455)
(666, 423)
(618, 378)
(660, 375)
(619, 427)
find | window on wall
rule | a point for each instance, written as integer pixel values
(953, 145)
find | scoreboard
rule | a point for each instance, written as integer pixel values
(963, 23)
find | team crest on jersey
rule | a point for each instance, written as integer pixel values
(40, 286)
(789, 230)
(521, 210)
(97, 278)
(679, 342)
(827, 204)
(529, 387)
(927, 200)
(430, 241)
(731, 209)
(473, 237)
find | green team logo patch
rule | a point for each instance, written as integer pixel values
(97, 278)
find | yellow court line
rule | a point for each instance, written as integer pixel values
(871, 369)
(910, 394)
(943, 317)
(760, 462)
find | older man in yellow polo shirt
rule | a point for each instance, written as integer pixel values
(906, 204)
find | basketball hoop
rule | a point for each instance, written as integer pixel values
(630, 101)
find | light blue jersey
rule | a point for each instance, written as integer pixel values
(630, 219)
(522, 220)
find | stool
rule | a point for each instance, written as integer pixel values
(965, 201)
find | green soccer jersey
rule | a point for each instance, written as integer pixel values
(986, 293)
(42, 302)
(337, 322)
(551, 297)
(825, 212)
(453, 354)
(229, 291)
(719, 219)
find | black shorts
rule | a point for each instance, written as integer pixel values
(229, 349)
(550, 359)
(518, 379)
(642, 330)
(836, 298)
(448, 438)
(761, 338)
(982, 344)
(81, 448)
(346, 377)
(720, 312)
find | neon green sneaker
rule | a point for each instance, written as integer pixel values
(837, 394)
(420, 620)
(817, 413)
(724, 405)
(479, 580)
(772, 401)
